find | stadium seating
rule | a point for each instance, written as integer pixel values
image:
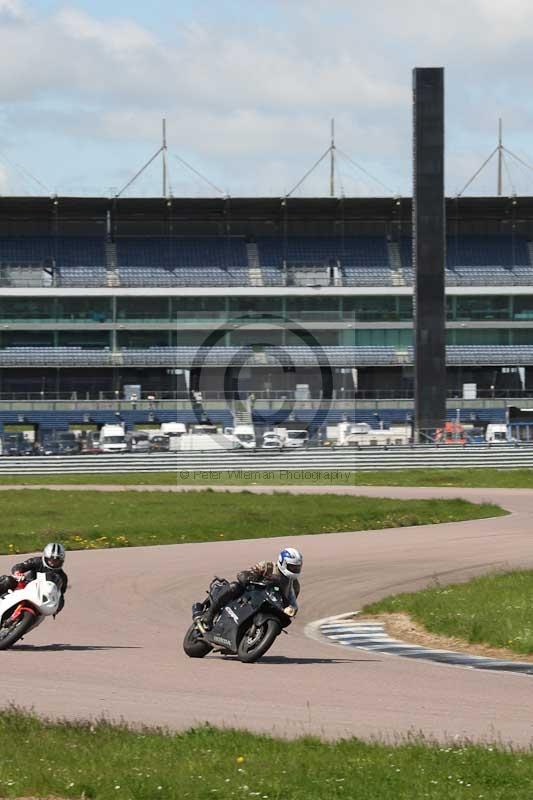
(478, 355)
(364, 251)
(183, 276)
(496, 250)
(64, 250)
(160, 261)
(82, 276)
(179, 252)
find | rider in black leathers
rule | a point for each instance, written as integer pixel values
(50, 562)
(283, 572)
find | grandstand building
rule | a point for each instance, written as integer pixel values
(255, 296)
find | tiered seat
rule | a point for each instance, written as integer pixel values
(54, 356)
(491, 355)
(369, 251)
(272, 276)
(182, 251)
(493, 250)
(271, 355)
(367, 276)
(82, 276)
(69, 250)
(183, 276)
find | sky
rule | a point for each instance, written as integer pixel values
(248, 90)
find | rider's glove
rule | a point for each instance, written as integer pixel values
(290, 611)
(19, 576)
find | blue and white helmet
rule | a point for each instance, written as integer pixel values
(290, 562)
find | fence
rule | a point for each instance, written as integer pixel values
(320, 459)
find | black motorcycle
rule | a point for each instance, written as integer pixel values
(246, 627)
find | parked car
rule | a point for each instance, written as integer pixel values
(50, 447)
(138, 442)
(271, 442)
(15, 444)
(159, 443)
(91, 444)
(69, 442)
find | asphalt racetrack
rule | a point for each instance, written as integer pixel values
(116, 648)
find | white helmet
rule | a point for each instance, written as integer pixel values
(290, 562)
(53, 555)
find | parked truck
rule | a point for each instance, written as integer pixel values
(205, 437)
(360, 434)
(292, 437)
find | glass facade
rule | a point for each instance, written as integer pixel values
(523, 307)
(107, 320)
(170, 309)
(191, 308)
(383, 308)
(480, 307)
(399, 338)
(34, 338)
(143, 309)
(93, 340)
(490, 336)
(141, 339)
(30, 309)
(256, 305)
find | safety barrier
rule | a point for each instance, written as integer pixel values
(319, 459)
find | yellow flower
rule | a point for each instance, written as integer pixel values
(239, 759)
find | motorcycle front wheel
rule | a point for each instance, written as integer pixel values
(11, 633)
(193, 645)
(256, 640)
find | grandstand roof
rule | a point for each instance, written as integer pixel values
(257, 208)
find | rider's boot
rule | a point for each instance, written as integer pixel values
(231, 592)
(198, 611)
(205, 623)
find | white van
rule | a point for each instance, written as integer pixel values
(243, 435)
(112, 439)
(497, 433)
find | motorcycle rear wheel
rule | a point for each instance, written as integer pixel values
(251, 648)
(193, 645)
(9, 634)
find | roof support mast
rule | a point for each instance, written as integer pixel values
(500, 158)
(332, 161)
(164, 157)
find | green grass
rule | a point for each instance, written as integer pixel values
(483, 478)
(31, 517)
(100, 762)
(494, 609)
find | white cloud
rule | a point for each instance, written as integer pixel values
(258, 97)
(12, 11)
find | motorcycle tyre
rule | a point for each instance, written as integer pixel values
(19, 629)
(193, 646)
(273, 629)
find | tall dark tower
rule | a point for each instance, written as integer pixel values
(429, 249)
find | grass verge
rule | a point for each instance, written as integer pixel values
(91, 519)
(494, 610)
(482, 478)
(100, 762)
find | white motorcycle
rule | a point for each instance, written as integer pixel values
(25, 607)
